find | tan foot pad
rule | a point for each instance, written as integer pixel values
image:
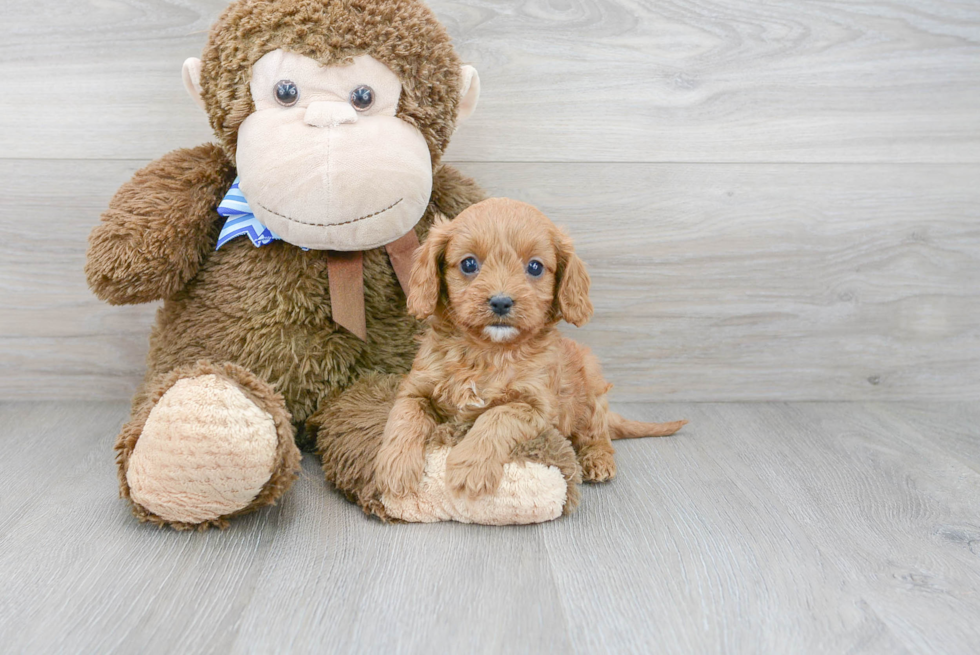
(206, 451)
(528, 493)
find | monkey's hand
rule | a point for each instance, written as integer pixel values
(159, 227)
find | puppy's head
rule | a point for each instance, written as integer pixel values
(500, 271)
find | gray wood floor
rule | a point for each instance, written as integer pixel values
(807, 527)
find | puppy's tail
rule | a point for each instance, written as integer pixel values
(622, 428)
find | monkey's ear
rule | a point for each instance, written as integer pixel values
(192, 80)
(572, 295)
(425, 282)
(469, 93)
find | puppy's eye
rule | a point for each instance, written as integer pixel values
(362, 98)
(535, 268)
(469, 266)
(286, 92)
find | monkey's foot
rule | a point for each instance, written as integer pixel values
(540, 484)
(206, 452)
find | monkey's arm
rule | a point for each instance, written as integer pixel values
(159, 227)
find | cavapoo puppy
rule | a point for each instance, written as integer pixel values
(494, 283)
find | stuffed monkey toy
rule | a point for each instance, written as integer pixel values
(281, 254)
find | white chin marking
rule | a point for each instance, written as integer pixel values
(500, 333)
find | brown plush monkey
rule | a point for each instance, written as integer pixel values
(333, 115)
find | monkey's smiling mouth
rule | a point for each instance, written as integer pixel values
(353, 220)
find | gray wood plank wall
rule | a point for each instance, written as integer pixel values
(777, 201)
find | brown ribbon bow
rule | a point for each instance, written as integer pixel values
(346, 278)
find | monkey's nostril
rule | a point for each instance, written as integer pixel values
(500, 304)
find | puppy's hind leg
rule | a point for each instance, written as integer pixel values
(594, 443)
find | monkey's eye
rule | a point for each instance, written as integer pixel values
(362, 98)
(469, 266)
(286, 92)
(535, 268)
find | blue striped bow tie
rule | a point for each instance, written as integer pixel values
(241, 220)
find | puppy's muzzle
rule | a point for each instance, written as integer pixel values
(500, 304)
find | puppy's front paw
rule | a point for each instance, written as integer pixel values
(598, 464)
(467, 471)
(399, 472)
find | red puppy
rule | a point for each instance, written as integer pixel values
(494, 283)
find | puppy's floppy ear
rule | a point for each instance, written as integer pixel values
(571, 283)
(426, 279)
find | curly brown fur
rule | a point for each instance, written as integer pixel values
(160, 227)
(287, 455)
(268, 309)
(349, 432)
(507, 370)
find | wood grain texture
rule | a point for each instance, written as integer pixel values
(54, 331)
(711, 282)
(740, 281)
(828, 527)
(781, 528)
(789, 282)
(569, 80)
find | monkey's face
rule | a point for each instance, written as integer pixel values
(335, 112)
(323, 160)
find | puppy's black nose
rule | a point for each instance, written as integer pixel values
(500, 305)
